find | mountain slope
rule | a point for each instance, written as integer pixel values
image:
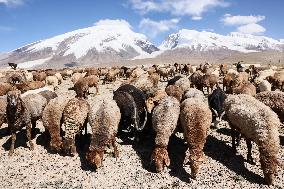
(207, 41)
(107, 41)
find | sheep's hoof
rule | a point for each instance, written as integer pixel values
(10, 153)
(32, 146)
(250, 161)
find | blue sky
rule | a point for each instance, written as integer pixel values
(26, 21)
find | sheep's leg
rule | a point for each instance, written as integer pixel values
(73, 148)
(249, 155)
(238, 138)
(33, 128)
(29, 135)
(97, 89)
(13, 139)
(233, 134)
(115, 148)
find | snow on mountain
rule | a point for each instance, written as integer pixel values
(203, 41)
(115, 34)
(108, 40)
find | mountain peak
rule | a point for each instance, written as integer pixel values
(203, 41)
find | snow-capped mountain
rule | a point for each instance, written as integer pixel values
(204, 41)
(114, 41)
(106, 41)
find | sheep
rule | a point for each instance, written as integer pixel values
(93, 81)
(66, 73)
(3, 105)
(110, 76)
(195, 118)
(196, 80)
(183, 83)
(277, 80)
(50, 72)
(274, 100)
(264, 85)
(164, 121)
(216, 103)
(75, 116)
(39, 76)
(23, 112)
(104, 120)
(91, 71)
(5, 88)
(195, 93)
(28, 76)
(81, 88)
(26, 86)
(52, 119)
(145, 82)
(209, 81)
(48, 95)
(131, 102)
(174, 91)
(227, 80)
(76, 77)
(59, 77)
(244, 88)
(53, 81)
(163, 72)
(258, 123)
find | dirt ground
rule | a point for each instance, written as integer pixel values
(42, 169)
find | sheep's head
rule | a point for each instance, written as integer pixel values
(175, 91)
(69, 147)
(95, 158)
(154, 99)
(56, 144)
(160, 157)
(14, 98)
(269, 164)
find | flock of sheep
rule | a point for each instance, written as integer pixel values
(250, 99)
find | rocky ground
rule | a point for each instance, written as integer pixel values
(42, 169)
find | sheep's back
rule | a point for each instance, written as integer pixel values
(252, 118)
(164, 118)
(35, 103)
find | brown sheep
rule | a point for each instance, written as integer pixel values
(75, 116)
(195, 117)
(5, 88)
(104, 120)
(23, 112)
(52, 118)
(3, 105)
(174, 91)
(39, 76)
(26, 86)
(209, 81)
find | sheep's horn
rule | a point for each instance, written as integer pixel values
(223, 113)
(215, 112)
(145, 119)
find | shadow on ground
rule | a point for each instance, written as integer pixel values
(220, 151)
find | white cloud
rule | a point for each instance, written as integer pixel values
(153, 28)
(245, 24)
(12, 2)
(193, 8)
(241, 20)
(251, 29)
(108, 22)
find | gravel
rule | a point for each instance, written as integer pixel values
(42, 169)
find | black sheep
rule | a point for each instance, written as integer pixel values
(216, 102)
(131, 102)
